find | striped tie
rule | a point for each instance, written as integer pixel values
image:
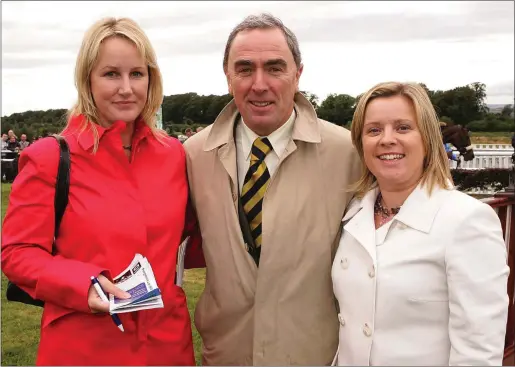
(254, 187)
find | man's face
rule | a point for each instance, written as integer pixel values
(4, 137)
(12, 139)
(23, 137)
(263, 78)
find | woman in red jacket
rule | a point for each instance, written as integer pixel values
(128, 194)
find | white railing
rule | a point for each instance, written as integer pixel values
(488, 156)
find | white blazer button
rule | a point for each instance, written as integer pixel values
(344, 263)
(366, 330)
(372, 273)
(341, 319)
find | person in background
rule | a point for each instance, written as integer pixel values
(9, 158)
(421, 270)
(189, 133)
(199, 129)
(24, 143)
(268, 183)
(11, 134)
(113, 213)
(451, 153)
(4, 141)
(12, 144)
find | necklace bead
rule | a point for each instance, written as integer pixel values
(383, 212)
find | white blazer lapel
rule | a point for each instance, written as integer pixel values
(360, 225)
(419, 210)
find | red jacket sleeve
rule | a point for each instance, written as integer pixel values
(194, 257)
(28, 231)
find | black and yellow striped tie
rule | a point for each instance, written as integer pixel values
(254, 187)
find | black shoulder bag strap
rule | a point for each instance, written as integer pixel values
(62, 185)
(15, 293)
(244, 223)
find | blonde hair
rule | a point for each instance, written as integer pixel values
(436, 171)
(87, 58)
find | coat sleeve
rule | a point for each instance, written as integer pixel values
(194, 257)
(28, 231)
(477, 275)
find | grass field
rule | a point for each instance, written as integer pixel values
(20, 323)
(491, 138)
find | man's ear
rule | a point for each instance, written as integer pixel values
(298, 74)
(229, 85)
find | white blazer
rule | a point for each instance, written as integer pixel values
(433, 292)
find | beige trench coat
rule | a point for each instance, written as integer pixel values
(284, 313)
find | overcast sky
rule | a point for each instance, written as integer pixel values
(346, 46)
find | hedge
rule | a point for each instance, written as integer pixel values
(482, 179)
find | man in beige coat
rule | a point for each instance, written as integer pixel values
(269, 184)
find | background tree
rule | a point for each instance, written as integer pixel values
(507, 110)
(311, 97)
(337, 108)
(461, 105)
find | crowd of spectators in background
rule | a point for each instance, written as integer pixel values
(12, 146)
(188, 133)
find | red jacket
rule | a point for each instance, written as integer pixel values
(115, 210)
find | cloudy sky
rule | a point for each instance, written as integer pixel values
(346, 46)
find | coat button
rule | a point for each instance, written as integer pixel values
(341, 319)
(344, 263)
(367, 330)
(372, 273)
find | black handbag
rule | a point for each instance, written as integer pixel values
(15, 293)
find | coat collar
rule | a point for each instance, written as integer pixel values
(418, 212)
(359, 221)
(420, 209)
(305, 127)
(86, 135)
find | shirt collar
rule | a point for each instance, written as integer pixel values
(279, 138)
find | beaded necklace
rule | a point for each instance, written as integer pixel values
(384, 213)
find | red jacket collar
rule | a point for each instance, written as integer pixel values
(86, 136)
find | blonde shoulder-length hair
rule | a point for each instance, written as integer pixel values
(88, 57)
(436, 171)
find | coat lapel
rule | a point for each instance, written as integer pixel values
(227, 156)
(420, 209)
(418, 212)
(305, 128)
(360, 225)
(221, 138)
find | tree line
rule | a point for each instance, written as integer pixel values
(463, 105)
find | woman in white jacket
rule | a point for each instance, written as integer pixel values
(421, 271)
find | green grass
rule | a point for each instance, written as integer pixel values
(479, 137)
(506, 134)
(20, 323)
